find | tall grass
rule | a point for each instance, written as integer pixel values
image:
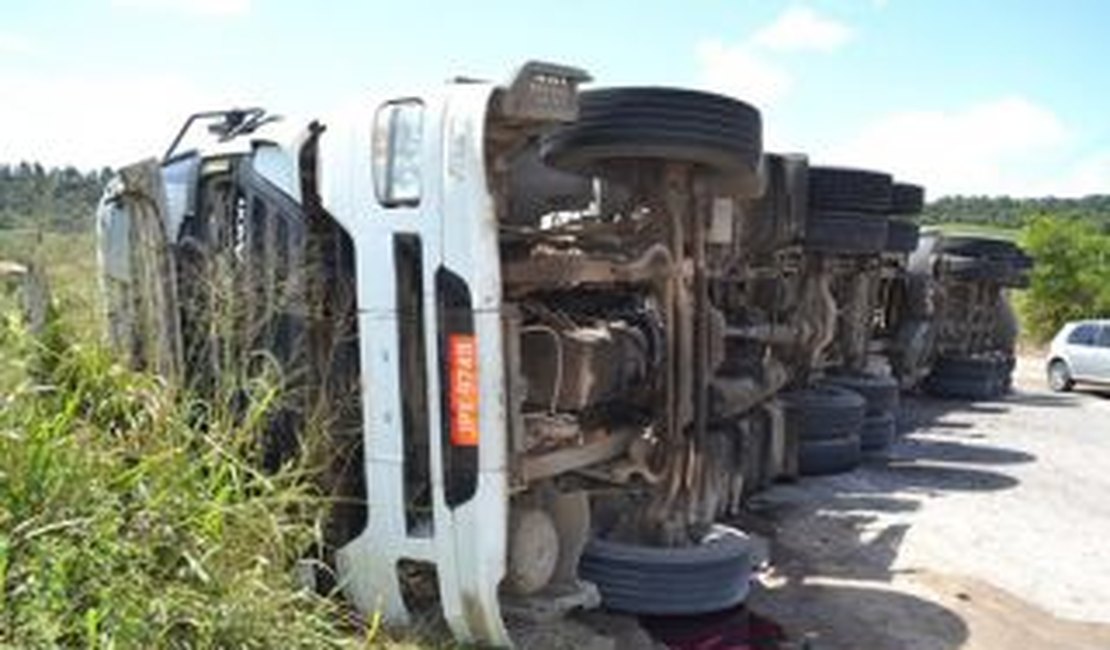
(131, 515)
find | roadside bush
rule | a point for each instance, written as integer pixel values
(131, 516)
(1071, 279)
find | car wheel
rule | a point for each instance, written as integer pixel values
(707, 577)
(1059, 377)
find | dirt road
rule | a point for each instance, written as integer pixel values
(987, 528)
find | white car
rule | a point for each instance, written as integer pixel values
(1080, 352)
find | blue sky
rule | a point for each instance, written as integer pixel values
(983, 97)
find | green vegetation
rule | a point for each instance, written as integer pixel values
(59, 200)
(133, 515)
(1007, 212)
(981, 230)
(1071, 279)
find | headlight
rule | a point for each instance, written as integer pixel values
(396, 143)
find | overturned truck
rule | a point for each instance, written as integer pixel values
(554, 336)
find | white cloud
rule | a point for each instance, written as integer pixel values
(748, 69)
(90, 122)
(1088, 175)
(802, 28)
(196, 7)
(739, 71)
(15, 44)
(995, 147)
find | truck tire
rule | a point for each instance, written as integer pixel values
(879, 392)
(851, 190)
(907, 199)
(969, 246)
(878, 432)
(970, 387)
(970, 367)
(902, 236)
(822, 412)
(832, 456)
(719, 133)
(709, 577)
(963, 267)
(844, 232)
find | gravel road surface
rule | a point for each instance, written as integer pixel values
(987, 527)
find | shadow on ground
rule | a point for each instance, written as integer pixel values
(835, 540)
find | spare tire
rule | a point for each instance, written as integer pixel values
(719, 133)
(709, 577)
(907, 199)
(855, 190)
(845, 233)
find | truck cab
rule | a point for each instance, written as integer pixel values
(542, 329)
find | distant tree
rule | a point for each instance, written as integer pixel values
(1010, 212)
(1071, 279)
(32, 196)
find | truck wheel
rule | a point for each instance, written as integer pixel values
(902, 236)
(844, 232)
(969, 367)
(833, 456)
(719, 133)
(854, 190)
(878, 432)
(1059, 377)
(964, 267)
(711, 576)
(978, 247)
(880, 392)
(907, 199)
(964, 387)
(822, 412)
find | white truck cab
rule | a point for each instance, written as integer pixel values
(511, 306)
